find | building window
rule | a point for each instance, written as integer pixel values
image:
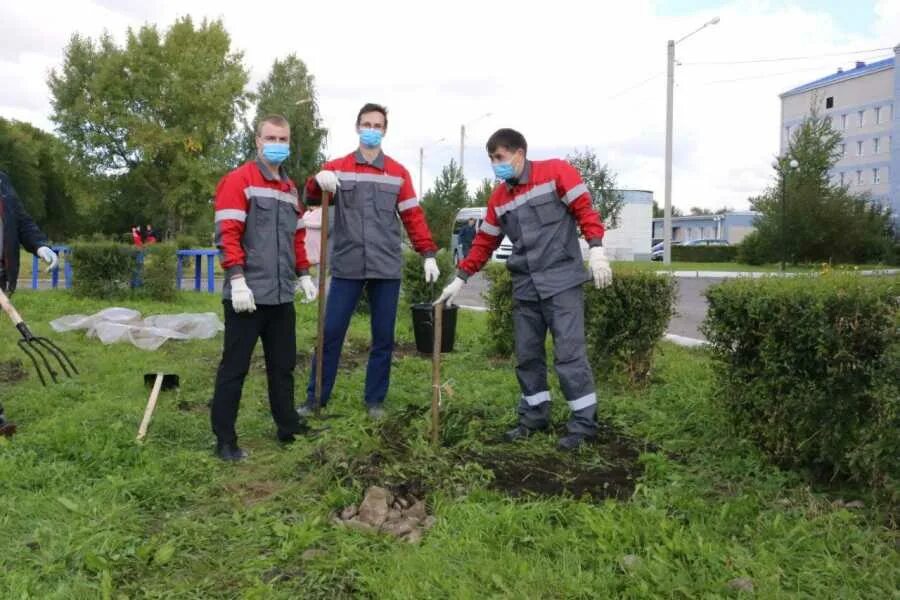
(843, 121)
(842, 178)
(829, 102)
(862, 117)
(859, 178)
(876, 145)
(843, 150)
(877, 115)
(875, 177)
(859, 149)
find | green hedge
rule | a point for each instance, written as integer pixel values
(704, 253)
(108, 270)
(102, 269)
(623, 322)
(809, 368)
(415, 289)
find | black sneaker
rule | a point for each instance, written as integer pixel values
(230, 452)
(519, 432)
(572, 441)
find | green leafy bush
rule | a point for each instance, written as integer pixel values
(158, 271)
(705, 253)
(624, 322)
(809, 368)
(753, 250)
(102, 269)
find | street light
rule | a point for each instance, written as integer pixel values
(422, 161)
(462, 139)
(670, 84)
(792, 164)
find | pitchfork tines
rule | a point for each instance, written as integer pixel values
(33, 345)
(38, 348)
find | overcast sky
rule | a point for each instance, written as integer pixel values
(567, 74)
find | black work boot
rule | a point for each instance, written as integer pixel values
(573, 441)
(230, 452)
(519, 432)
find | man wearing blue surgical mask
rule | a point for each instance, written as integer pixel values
(373, 196)
(261, 234)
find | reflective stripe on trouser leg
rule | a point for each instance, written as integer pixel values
(564, 314)
(531, 364)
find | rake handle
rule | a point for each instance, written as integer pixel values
(320, 335)
(436, 374)
(10, 310)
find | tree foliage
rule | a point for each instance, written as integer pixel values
(601, 183)
(442, 202)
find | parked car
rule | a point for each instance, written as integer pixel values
(656, 251)
(706, 242)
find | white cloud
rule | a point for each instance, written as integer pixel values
(554, 74)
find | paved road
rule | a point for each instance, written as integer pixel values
(691, 303)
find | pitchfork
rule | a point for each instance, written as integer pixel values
(33, 346)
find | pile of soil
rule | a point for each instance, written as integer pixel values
(404, 517)
(12, 371)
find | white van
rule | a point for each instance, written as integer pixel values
(462, 218)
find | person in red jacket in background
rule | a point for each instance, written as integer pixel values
(540, 205)
(136, 236)
(260, 232)
(373, 196)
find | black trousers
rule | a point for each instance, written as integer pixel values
(274, 324)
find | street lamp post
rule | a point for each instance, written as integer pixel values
(422, 162)
(462, 139)
(791, 165)
(670, 85)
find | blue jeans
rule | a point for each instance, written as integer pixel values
(343, 296)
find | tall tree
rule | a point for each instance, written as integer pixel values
(289, 90)
(810, 218)
(601, 183)
(442, 202)
(47, 183)
(156, 118)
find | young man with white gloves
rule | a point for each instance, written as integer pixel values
(373, 195)
(17, 227)
(540, 205)
(260, 232)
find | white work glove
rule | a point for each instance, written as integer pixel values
(49, 257)
(600, 268)
(450, 292)
(241, 296)
(327, 180)
(305, 284)
(431, 270)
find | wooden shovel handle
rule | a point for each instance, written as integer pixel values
(151, 406)
(320, 335)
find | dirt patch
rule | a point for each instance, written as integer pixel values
(253, 492)
(521, 474)
(389, 512)
(12, 371)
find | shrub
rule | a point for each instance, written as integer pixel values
(704, 253)
(187, 242)
(415, 289)
(624, 321)
(753, 250)
(809, 369)
(102, 269)
(499, 339)
(158, 272)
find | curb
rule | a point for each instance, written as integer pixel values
(687, 342)
(758, 274)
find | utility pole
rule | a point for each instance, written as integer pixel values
(462, 147)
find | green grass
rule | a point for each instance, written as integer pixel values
(87, 513)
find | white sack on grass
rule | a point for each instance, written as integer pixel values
(125, 325)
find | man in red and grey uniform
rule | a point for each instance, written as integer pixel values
(540, 205)
(373, 196)
(259, 230)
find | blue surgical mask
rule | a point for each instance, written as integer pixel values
(371, 138)
(504, 171)
(276, 153)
